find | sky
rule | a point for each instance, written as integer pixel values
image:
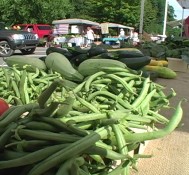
(178, 9)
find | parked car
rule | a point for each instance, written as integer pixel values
(42, 30)
(11, 40)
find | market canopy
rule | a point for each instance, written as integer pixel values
(114, 25)
(184, 3)
(175, 23)
(75, 21)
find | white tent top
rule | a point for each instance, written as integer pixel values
(75, 21)
(175, 23)
(184, 3)
(118, 25)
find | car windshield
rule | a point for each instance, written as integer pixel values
(44, 27)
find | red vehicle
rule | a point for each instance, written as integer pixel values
(42, 30)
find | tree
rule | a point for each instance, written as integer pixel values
(34, 11)
(117, 11)
(154, 15)
(150, 17)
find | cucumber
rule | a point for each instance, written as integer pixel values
(59, 63)
(77, 60)
(42, 58)
(96, 50)
(21, 61)
(64, 52)
(76, 50)
(107, 55)
(91, 66)
(127, 52)
(163, 72)
(137, 62)
(153, 75)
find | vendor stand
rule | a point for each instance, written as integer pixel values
(114, 40)
(75, 28)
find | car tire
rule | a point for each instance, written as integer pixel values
(27, 51)
(5, 49)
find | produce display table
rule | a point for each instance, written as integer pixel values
(76, 41)
(111, 41)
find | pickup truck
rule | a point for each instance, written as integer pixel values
(42, 30)
(11, 40)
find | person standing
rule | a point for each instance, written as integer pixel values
(122, 34)
(90, 36)
(135, 38)
(122, 37)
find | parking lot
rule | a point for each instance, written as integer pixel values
(39, 52)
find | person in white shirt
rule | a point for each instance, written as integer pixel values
(122, 34)
(122, 37)
(90, 36)
(131, 33)
(135, 38)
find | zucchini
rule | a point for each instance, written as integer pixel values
(107, 55)
(91, 66)
(136, 63)
(42, 58)
(96, 50)
(77, 60)
(127, 52)
(21, 61)
(163, 72)
(59, 63)
(76, 50)
(64, 52)
(153, 75)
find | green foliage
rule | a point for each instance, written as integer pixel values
(33, 11)
(176, 31)
(150, 17)
(117, 11)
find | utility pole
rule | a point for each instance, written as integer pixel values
(141, 18)
(165, 20)
(182, 27)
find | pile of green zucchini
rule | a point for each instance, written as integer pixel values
(131, 57)
(90, 128)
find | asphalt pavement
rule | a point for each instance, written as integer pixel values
(39, 52)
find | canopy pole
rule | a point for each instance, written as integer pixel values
(182, 23)
(165, 20)
(141, 18)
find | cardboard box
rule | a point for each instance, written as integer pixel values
(178, 65)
